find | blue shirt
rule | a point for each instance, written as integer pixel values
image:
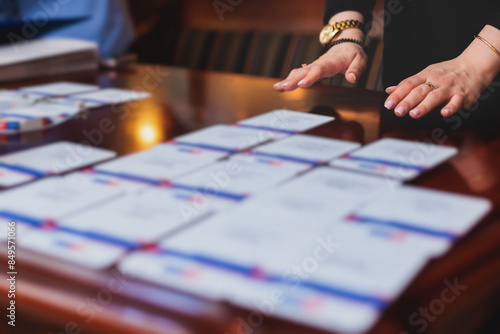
(106, 22)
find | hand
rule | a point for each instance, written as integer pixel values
(346, 58)
(456, 83)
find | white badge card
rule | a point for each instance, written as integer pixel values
(241, 176)
(286, 120)
(35, 117)
(55, 197)
(61, 88)
(306, 148)
(10, 99)
(396, 158)
(423, 211)
(141, 218)
(55, 158)
(72, 248)
(228, 138)
(12, 176)
(108, 96)
(162, 162)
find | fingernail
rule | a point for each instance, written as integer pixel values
(400, 110)
(446, 112)
(389, 88)
(389, 104)
(301, 82)
(353, 75)
(285, 84)
(276, 85)
(415, 112)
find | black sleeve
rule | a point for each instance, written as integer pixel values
(495, 19)
(365, 7)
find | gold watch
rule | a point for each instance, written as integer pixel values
(331, 30)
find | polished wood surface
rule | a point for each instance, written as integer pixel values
(183, 101)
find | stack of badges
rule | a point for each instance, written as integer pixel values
(44, 106)
(35, 117)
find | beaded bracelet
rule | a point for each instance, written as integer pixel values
(345, 40)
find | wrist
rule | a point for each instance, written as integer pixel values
(480, 61)
(481, 54)
(353, 33)
(347, 24)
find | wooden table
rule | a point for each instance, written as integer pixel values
(184, 101)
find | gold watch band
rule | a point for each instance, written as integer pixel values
(341, 25)
(331, 30)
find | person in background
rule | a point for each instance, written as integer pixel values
(106, 22)
(436, 53)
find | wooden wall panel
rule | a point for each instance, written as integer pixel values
(293, 16)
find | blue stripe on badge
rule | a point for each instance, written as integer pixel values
(34, 92)
(130, 177)
(5, 114)
(206, 191)
(402, 225)
(256, 273)
(36, 222)
(25, 170)
(21, 218)
(385, 162)
(267, 128)
(100, 102)
(100, 237)
(206, 146)
(289, 158)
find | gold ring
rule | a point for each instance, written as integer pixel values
(431, 86)
(304, 65)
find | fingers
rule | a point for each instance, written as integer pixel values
(315, 73)
(430, 102)
(391, 89)
(421, 100)
(357, 67)
(290, 83)
(453, 105)
(349, 59)
(402, 90)
(414, 98)
(306, 76)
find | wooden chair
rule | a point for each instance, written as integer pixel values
(265, 38)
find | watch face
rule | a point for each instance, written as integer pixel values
(326, 34)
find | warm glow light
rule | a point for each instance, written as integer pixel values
(148, 134)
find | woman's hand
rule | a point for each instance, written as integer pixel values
(456, 83)
(346, 58)
(450, 82)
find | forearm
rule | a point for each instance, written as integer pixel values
(364, 7)
(482, 57)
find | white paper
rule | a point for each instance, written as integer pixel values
(54, 197)
(317, 150)
(287, 120)
(229, 138)
(58, 157)
(61, 88)
(443, 214)
(108, 96)
(162, 162)
(396, 158)
(242, 175)
(72, 248)
(9, 177)
(143, 218)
